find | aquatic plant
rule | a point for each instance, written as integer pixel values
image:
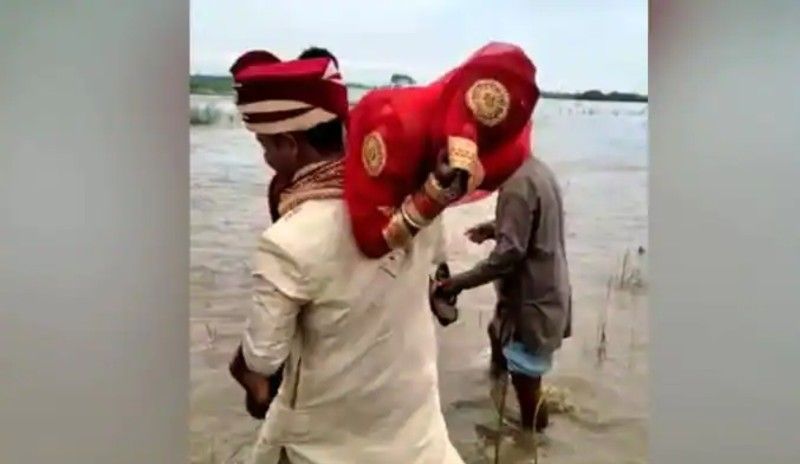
(630, 276)
(500, 414)
(602, 322)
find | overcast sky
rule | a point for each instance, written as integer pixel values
(575, 44)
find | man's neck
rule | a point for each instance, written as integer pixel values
(314, 162)
(314, 181)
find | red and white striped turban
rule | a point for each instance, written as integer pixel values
(276, 96)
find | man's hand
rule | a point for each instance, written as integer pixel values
(446, 288)
(256, 386)
(480, 233)
(453, 180)
(444, 308)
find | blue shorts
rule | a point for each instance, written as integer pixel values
(522, 361)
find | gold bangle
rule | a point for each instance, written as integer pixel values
(411, 214)
(435, 190)
(397, 232)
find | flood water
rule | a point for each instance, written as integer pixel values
(598, 151)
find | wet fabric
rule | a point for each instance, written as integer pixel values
(520, 360)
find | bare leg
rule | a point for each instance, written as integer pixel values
(498, 361)
(529, 390)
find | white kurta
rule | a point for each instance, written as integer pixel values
(360, 384)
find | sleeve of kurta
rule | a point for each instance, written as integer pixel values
(513, 224)
(281, 288)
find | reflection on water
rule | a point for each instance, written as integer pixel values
(598, 150)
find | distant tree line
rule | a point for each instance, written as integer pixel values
(596, 95)
(402, 80)
(201, 84)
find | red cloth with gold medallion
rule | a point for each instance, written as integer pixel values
(477, 116)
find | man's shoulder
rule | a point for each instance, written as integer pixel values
(540, 167)
(522, 182)
(532, 180)
(309, 228)
(535, 171)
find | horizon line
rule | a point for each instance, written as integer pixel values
(367, 85)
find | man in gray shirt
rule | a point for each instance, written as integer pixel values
(529, 268)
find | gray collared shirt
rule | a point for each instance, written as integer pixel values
(529, 262)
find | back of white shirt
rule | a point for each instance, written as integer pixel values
(360, 383)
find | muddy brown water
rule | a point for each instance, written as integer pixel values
(598, 151)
